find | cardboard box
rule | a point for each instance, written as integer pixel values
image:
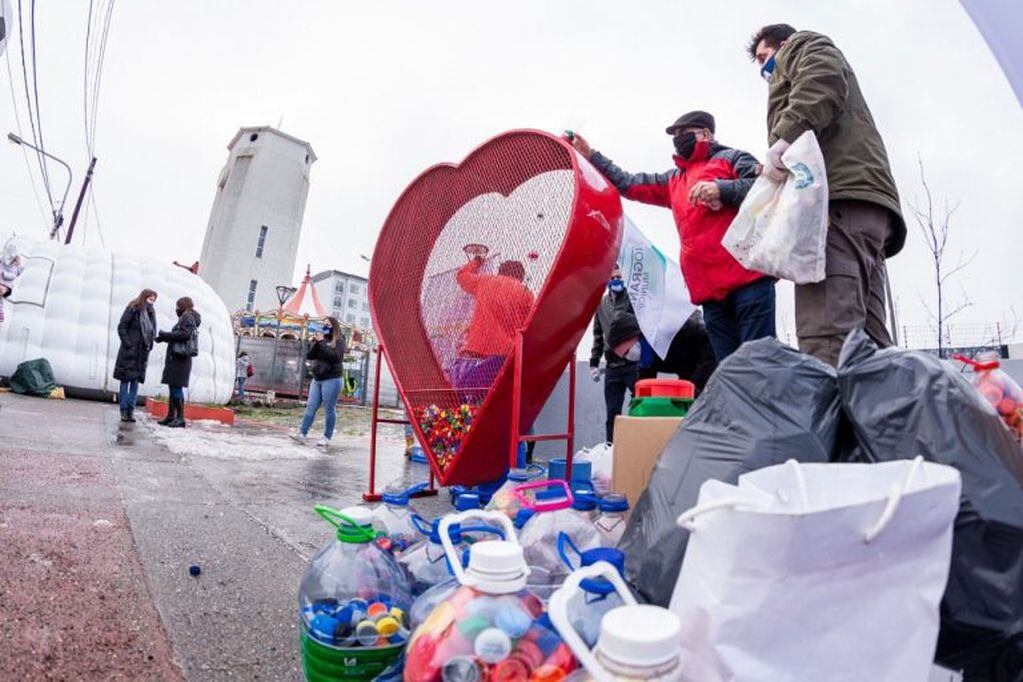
(638, 442)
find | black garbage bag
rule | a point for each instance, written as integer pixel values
(906, 403)
(765, 404)
(33, 377)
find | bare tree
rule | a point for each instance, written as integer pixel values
(935, 227)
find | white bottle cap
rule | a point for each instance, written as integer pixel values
(497, 567)
(362, 516)
(639, 636)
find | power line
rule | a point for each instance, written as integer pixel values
(35, 90)
(47, 221)
(31, 119)
(97, 80)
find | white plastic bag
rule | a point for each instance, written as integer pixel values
(601, 459)
(781, 230)
(817, 572)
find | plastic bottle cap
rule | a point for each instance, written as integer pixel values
(497, 566)
(583, 500)
(362, 516)
(639, 635)
(467, 501)
(614, 502)
(492, 645)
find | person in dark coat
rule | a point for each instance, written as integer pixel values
(136, 330)
(616, 338)
(327, 354)
(178, 365)
(690, 355)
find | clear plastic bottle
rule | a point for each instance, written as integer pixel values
(550, 517)
(596, 596)
(353, 603)
(611, 520)
(491, 627)
(504, 500)
(426, 562)
(636, 641)
(393, 517)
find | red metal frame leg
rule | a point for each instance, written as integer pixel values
(570, 428)
(513, 449)
(371, 494)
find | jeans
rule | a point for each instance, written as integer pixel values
(127, 392)
(239, 384)
(745, 315)
(616, 381)
(177, 393)
(324, 393)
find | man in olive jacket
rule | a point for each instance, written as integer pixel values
(812, 87)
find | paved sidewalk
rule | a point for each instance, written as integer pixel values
(99, 523)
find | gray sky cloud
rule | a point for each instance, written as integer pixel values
(383, 90)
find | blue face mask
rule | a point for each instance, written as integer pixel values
(616, 285)
(767, 70)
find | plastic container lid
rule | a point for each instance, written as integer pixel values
(614, 502)
(498, 566)
(467, 501)
(640, 636)
(665, 388)
(583, 500)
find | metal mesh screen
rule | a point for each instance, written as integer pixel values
(458, 269)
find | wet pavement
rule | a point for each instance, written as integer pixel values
(99, 523)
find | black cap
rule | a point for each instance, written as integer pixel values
(697, 119)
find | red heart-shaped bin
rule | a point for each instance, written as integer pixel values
(544, 228)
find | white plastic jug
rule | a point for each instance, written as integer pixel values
(636, 641)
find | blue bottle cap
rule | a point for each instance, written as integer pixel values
(614, 502)
(467, 501)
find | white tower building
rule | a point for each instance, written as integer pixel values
(252, 237)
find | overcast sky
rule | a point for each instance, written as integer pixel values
(383, 90)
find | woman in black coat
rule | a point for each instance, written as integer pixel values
(136, 331)
(178, 365)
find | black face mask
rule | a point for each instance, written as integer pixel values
(328, 332)
(685, 144)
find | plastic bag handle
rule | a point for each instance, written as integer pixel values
(976, 365)
(686, 518)
(557, 609)
(449, 548)
(519, 492)
(800, 481)
(894, 497)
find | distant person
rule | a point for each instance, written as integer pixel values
(137, 331)
(242, 371)
(503, 303)
(616, 337)
(10, 269)
(690, 355)
(328, 354)
(182, 345)
(704, 192)
(811, 86)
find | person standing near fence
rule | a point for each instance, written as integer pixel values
(137, 331)
(182, 345)
(242, 371)
(327, 353)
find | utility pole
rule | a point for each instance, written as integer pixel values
(78, 204)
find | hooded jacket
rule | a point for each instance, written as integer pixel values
(711, 273)
(614, 323)
(814, 88)
(502, 306)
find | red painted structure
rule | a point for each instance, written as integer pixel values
(567, 279)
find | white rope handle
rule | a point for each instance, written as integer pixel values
(800, 481)
(449, 548)
(687, 517)
(894, 497)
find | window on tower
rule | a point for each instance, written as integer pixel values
(351, 303)
(339, 302)
(251, 300)
(349, 318)
(354, 288)
(263, 229)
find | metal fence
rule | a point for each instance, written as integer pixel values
(286, 372)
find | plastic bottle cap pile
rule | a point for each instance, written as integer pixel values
(445, 429)
(358, 623)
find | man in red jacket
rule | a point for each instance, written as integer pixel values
(503, 303)
(704, 192)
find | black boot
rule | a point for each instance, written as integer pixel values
(166, 421)
(179, 415)
(131, 415)
(126, 416)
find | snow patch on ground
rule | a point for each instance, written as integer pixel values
(212, 439)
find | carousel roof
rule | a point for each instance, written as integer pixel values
(305, 301)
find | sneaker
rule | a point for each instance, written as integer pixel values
(323, 442)
(297, 437)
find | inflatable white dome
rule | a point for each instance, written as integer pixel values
(66, 304)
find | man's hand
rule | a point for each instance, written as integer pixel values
(317, 337)
(595, 373)
(706, 193)
(581, 145)
(775, 169)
